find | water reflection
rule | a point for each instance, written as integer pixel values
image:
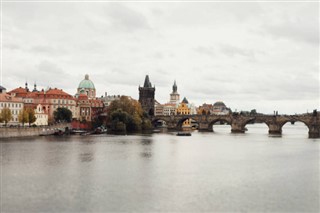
(86, 157)
(146, 154)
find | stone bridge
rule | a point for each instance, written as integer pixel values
(238, 121)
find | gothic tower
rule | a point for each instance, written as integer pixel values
(146, 96)
(174, 96)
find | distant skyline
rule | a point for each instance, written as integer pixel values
(250, 55)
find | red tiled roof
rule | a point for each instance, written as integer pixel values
(83, 97)
(8, 98)
(57, 92)
(20, 92)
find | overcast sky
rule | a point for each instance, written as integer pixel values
(250, 55)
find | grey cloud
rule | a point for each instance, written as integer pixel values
(302, 25)
(126, 19)
(205, 50)
(233, 51)
(11, 46)
(42, 49)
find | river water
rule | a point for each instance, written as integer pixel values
(161, 172)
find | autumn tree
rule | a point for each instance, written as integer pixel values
(5, 115)
(126, 114)
(31, 115)
(27, 115)
(23, 117)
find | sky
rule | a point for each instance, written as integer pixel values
(250, 55)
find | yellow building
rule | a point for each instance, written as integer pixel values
(183, 109)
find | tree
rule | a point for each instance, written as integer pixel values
(23, 117)
(126, 113)
(253, 112)
(5, 115)
(31, 115)
(62, 114)
(27, 115)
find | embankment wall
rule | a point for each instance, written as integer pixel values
(16, 132)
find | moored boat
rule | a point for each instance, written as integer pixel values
(184, 134)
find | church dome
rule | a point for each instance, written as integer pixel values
(219, 104)
(86, 83)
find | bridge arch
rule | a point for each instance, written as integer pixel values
(294, 124)
(157, 121)
(216, 120)
(187, 122)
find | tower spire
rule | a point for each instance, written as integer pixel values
(147, 82)
(174, 87)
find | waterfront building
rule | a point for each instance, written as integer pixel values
(146, 96)
(205, 109)
(15, 104)
(41, 116)
(219, 108)
(50, 99)
(174, 96)
(107, 99)
(86, 87)
(184, 109)
(89, 107)
(169, 109)
(158, 108)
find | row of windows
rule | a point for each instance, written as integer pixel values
(68, 107)
(14, 111)
(11, 105)
(63, 101)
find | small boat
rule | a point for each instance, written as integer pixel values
(100, 130)
(78, 131)
(58, 132)
(184, 134)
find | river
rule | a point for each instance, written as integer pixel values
(161, 172)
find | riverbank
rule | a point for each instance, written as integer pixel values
(18, 132)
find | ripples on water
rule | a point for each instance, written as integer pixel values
(215, 172)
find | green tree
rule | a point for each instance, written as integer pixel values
(5, 115)
(62, 114)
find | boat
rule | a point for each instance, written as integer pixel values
(184, 134)
(78, 131)
(100, 130)
(58, 132)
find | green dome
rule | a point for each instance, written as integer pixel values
(86, 83)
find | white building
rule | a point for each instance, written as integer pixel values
(14, 104)
(41, 115)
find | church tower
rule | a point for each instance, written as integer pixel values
(146, 96)
(174, 96)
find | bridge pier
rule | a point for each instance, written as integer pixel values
(204, 127)
(275, 128)
(314, 131)
(237, 128)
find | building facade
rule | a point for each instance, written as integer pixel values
(219, 108)
(86, 87)
(41, 116)
(184, 109)
(50, 100)
(14, 104)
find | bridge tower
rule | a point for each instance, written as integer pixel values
(146, 96)
(174, 96)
